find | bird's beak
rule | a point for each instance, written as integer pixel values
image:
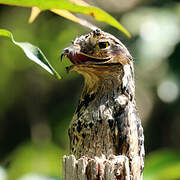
(71, 53)
(64, 53)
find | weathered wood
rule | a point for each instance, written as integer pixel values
(114, 168)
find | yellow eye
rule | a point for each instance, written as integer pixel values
(103, 45)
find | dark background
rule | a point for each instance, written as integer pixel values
(36, 109)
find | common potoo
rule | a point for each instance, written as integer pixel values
(106, 121)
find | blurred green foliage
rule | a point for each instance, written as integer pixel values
(40, 158)
(162, 165)
(36, 109)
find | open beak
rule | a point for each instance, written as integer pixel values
(78, 57)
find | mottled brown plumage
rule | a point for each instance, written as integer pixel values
(106, 120)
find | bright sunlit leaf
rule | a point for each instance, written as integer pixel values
(72, 17)
(95, 12)
(35, 11)
(32, 52)
(79, 2)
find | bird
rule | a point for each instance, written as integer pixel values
(106, 120)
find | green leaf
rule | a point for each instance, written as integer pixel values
(95, 12)
(32, 52)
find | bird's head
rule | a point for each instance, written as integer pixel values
(95, 52)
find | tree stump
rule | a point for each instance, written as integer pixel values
(114, 168)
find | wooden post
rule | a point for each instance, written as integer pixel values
(114, 168)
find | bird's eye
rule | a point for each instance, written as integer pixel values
(103, 45)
